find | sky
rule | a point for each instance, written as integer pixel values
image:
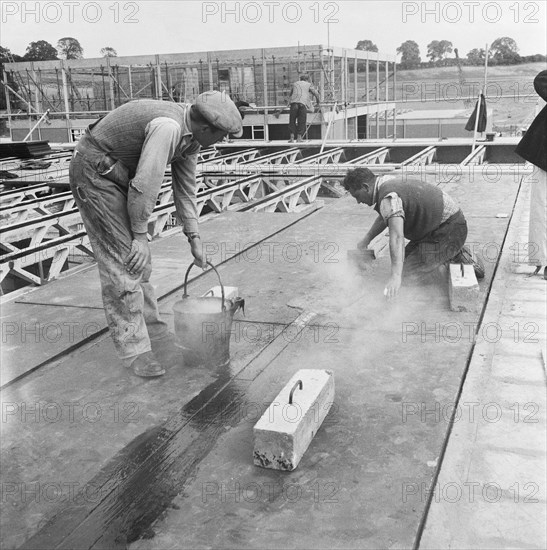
(157, 26)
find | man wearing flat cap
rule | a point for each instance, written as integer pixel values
(115, 176)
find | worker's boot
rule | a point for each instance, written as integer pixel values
(147, 366)
(538, 269)
(291, 139)
(299, 138)
(465, 256)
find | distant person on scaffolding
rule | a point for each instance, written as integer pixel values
(300, 103)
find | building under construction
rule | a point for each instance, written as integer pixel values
(356, 88)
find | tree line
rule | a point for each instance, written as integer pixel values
(42, 50)
(502, 51)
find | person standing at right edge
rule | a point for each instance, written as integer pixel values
(533, 148)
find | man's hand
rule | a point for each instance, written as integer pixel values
(317, 108)
(392, 287)
(363, 244)
(197, 252)
(139, 256)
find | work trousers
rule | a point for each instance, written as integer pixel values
(537, 235)
(129, 301)
(297, 119)
(425, 256)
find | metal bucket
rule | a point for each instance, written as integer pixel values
(203, 326)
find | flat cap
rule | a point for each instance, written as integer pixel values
(219, 110)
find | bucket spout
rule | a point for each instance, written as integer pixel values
(239, 303)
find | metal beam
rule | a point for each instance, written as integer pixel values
(65, 93)
(327, 157)
(265, 95)
(422, 157)
(475, 157)
(293, 198)
(374, 157)
(281, 157)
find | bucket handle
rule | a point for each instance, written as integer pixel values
(185, 295)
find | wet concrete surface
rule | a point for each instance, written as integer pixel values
(349, 484)
(348, 491)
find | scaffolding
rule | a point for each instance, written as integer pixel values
(358, 83)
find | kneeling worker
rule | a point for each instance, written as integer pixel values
(419, 212)
(116, 175)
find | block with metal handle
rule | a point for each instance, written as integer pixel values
(463, 288)
(287, 427)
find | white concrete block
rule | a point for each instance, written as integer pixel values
(285, 430)
(463, 288)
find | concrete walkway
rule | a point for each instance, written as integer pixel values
(491, 488)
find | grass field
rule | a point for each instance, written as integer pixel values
(509, 91)
(506, 90)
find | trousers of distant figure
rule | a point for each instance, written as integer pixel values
(537, 235)
(297, 119)
(129, 301)
(437, 248)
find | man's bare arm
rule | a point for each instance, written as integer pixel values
(376, 228)
(397, 254)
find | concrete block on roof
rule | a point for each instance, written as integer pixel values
(287, 427)
(463, 288)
